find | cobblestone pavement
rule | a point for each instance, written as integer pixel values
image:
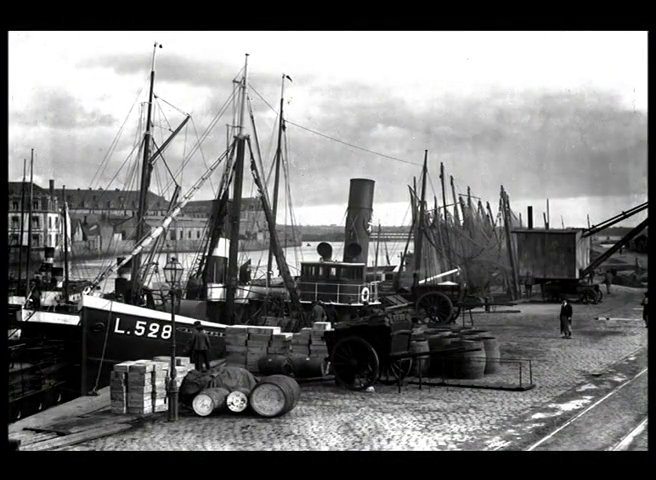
(437, 418)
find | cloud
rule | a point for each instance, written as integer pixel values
(58, 109)
(177, 69)
(558, 144)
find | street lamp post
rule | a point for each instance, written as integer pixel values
(173, 274)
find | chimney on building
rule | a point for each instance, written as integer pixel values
(52, 190)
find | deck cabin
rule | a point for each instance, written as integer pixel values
(337, 283)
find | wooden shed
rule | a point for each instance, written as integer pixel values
(551, 254)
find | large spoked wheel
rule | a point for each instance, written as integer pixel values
(588, 295)
(434, 308)
(355, 363)
(395, 371)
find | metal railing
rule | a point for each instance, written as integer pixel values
(342, 293)
(500, 380)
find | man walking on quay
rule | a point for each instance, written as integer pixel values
(644, 310)
(608, 279)
(199, 347)
(566, 319)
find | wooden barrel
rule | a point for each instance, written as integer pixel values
(274, 395)
(473, 332)
(274, 364)
(436, 330)
(304, 366)
(420, 346)
(237, 400)
(438, 341)
(467, 364)
(492, 353)
(210, 400)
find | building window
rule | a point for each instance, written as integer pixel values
(36, 240)
(197, 233)
(189, 234)
(14, 204)
(35, 204)
(56, 222)
(35, 222)
(172, 235)
(14, 239)
(181, 235)
(58, 238)
(49, 222)
(15, 222)
(124, 236)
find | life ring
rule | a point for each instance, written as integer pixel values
(365, 294)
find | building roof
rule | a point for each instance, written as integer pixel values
(103, 199)
(205, 206)
(14, 188)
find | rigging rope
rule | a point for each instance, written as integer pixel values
(114, 142)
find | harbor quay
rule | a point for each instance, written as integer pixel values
(570, 376)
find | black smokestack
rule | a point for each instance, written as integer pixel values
(530, 217)
(358, 219)
(52, 190)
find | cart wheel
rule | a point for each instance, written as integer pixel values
(395, 370)
(588, 296)
(434, 307)
(355, 363)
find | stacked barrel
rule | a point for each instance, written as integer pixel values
(459, 353)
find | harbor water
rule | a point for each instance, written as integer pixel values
(88, 269)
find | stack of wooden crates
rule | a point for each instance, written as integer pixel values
(318, 347)
(259, 339)
(139, 387)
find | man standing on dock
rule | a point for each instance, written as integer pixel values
(566, 319)
(608, 279)
(199, 347)
(644, 310)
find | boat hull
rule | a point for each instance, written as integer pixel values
(114, 332)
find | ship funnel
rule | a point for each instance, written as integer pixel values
(358, 220)
(325, 250)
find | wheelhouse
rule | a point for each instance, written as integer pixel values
(336, 282)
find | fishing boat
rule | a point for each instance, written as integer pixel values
(218, 293)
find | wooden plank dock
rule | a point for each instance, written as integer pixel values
(82, 419)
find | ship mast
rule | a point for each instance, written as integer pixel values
(277, 175)
(146, 169)
(65, 215)
(22, 231)
(235, 210)
(420, 227)
(29, 225)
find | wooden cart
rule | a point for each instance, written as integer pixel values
(363, 351)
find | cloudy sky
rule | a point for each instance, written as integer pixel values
(558, 115)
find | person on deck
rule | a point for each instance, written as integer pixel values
(566, 319)
(199, 348)
(318, 312)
